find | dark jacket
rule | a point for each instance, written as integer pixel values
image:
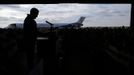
(30, 28)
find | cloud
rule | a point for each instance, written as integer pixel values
(3, 19)
(10, 6)
(102, 6)
(8, 18)
(95, 14)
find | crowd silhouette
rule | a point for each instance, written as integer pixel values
(75, 49)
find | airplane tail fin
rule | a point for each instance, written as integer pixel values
(81, 20)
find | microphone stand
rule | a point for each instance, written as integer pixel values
(52, 44)
(52, 35)
(51, 26)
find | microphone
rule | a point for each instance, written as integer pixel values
(49, 23)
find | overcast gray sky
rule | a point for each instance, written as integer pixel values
(96, 14)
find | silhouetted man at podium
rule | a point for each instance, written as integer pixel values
(30, 36)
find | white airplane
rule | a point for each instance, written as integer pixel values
(48, 25)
